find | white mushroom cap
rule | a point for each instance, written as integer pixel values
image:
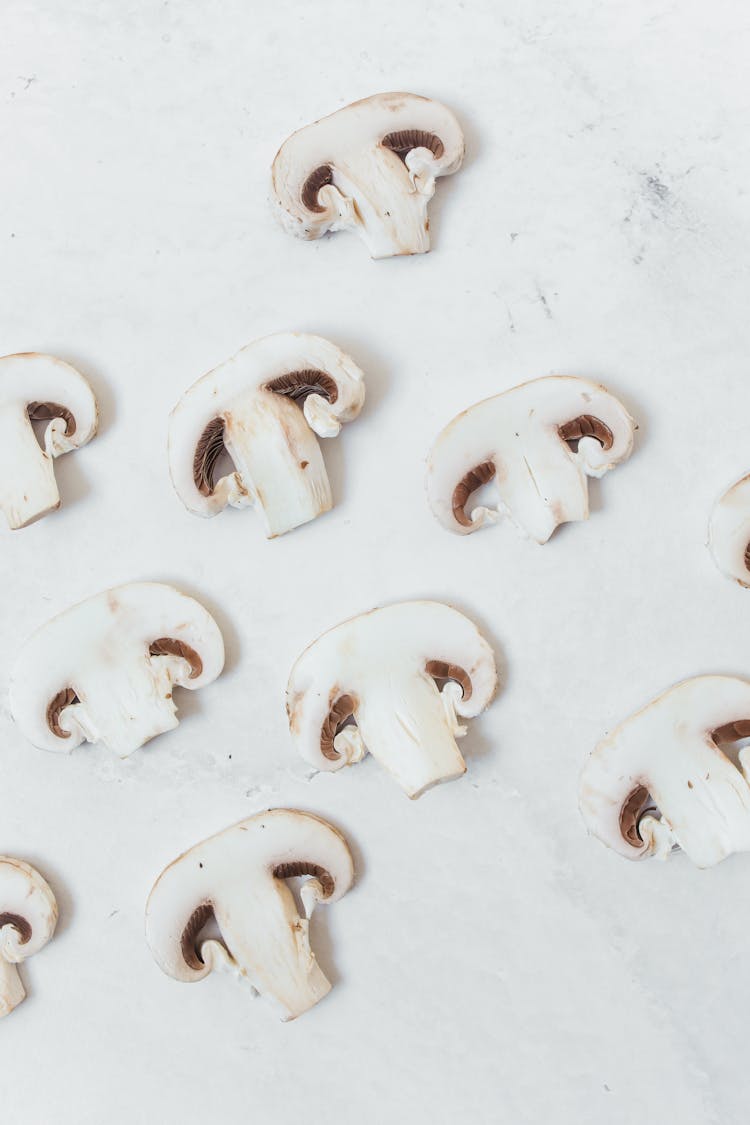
(238, 878)
(28, 916)
(403, 674)
(103, 671)
(38, 387)
(521, 440)
(370, 167)
(665, 760)
(264, 406)
(729, 532)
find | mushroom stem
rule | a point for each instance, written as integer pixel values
(127, 705)
(26, 471)
(269, 944)
(415, 739)
(278, 459)
(390, 222)
(12, 991)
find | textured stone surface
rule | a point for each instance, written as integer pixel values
(492, 964)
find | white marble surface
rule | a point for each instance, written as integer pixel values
(492, 963)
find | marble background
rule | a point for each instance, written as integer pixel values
(493, 963)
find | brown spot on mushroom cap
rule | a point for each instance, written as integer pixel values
(18, 923)
(315, 181)
(474, 479)
(299, 384)
(45, 411)
(169, 646)
(587, 425)
(405, 140)
(443, 672)
(341, 711)
(301, 867)
(197, 920)
(631, 812)
(63, 699)
(207, 452)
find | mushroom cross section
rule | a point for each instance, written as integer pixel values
(28, 916)
(38, 388)
(370, 167)
(104, 670)
(660, 779)
(264, 407)
(729, 532)
(395, 682)
(236, 880)
(537, 443)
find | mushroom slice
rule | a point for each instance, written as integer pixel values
(264, 408)
(729, 532)
(28, 916)
(537, 442)
(38, 388)
(395, 682)
(237, 879)
(104, 670)
(370, 167)
(661, 780)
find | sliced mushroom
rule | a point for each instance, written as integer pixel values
(28, 916)
(104, 670)
(236, 879)
(264, 408)
(38, 388)
(370, 167)
(537, 442)
(394, 682)
(729, 532)
(660, 779)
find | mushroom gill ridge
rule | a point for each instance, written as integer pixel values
(296, 868)
(317, 179)
(45, 411)
(481, 474)
(299, 384)
(207, 452)
(405, 140)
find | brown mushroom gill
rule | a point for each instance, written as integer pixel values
(207, 452)
(474, 479)
(747, 557)
(169, 646)
(443, 673)
(633, 809)
(732, 732)
(18, 923)
(63, 699)
(340, 715)
(405, 140)
(196, 922)
(294, 869)
(46, 411)
(299, 384)
(586, 425)
(322, 176)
